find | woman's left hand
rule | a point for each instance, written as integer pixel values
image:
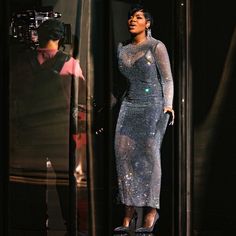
(172, 114)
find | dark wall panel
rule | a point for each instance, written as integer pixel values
(3, 119)
(214, 114)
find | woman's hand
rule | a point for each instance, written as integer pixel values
(172, 114)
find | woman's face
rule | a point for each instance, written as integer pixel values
(137, 23)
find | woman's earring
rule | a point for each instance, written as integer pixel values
(149, 33)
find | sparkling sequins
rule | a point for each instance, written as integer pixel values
(141, 125)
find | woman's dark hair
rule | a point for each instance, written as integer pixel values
(138, 7)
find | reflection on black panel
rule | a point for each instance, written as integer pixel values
(39, 135)
(47, 164)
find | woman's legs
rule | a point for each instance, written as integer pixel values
(128, 216)
(129, 213)
(149, 222)
(150, 217)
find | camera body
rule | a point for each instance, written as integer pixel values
(24, 24)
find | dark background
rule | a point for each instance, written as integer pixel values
(3, 120)
(214, 116)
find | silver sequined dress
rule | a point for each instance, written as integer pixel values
(142, 123)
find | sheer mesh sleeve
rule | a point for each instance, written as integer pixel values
(163, 62)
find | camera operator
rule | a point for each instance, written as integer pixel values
(50, 37)
(41, 143)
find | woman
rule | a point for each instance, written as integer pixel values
(142, 120)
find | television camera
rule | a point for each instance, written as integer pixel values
(24, 24)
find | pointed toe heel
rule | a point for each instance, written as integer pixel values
(122, 229)
(143, 230)
(127, 229)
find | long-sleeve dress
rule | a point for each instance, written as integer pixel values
(142, 123)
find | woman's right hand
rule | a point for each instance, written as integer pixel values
(172, 114)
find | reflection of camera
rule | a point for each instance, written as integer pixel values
(24, 26)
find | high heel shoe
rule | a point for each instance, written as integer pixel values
(148, 229)
(127, 229)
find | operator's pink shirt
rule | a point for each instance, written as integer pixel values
(71, 67)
